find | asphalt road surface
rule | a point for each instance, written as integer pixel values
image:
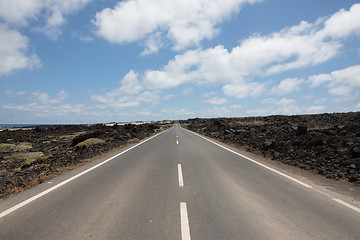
(179, 185)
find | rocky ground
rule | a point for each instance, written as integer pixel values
(29, 157)
(326, 144)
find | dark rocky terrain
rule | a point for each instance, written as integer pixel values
(29, 157)
(326, 144)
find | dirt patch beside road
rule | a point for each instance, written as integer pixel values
(325, 144)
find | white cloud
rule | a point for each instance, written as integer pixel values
(284, 50)
(243, 89)
(210, 66)
(176, 72)
(131, 93)
(149, 97)
(344, 83)
(21, 12)
(47, 99)
(129, 85)
(343, 23)
(14, 51)
(216, 100)
(152, 44)
(46, 110)
(184, 22)
(56, 11)
(340, 91)
(45, 105)
(317, 80)
(305, 44)
(287, 86)
(282, 106)
(287, 106)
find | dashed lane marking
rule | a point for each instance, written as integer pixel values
(185, 228)
(181, 179)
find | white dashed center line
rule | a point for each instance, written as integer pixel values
(181, 180)
(185, 229)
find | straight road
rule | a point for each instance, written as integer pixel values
(177, 185)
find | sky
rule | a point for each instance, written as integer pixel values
(98, 61)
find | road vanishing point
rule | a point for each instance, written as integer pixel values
(179, 185)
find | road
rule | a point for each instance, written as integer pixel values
(178, 185)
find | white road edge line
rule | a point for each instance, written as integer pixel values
(346, 204)
(185, 229)
(260, 164)
(181, 179)
(280, 173)
(19, 205)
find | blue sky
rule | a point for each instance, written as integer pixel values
(87, 61)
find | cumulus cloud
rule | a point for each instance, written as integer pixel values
(176, 72)
(287, 86)
(130, 84)
(183, 22)
(243, 90)
(14, 51)
(305, 44)
(211, 66)
(344, 83)
(56, 11)
(131, 93)
(343, 23)
(46, 98)
(20, 12)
